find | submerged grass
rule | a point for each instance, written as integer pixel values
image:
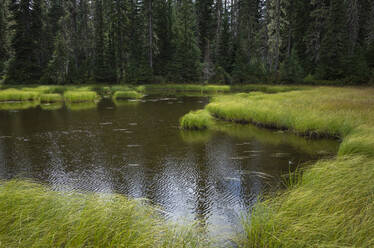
(130, 94)
(80, 96)
(34, 216)
(196, 120)
(333, 203)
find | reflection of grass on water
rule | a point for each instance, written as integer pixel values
(266, 136)
(195, 136)
(122, 103)
(81, 106)
(18, 105)
(52, 106)
(34, 216)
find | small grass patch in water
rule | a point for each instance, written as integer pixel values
(31, 215)
(196, 120)
(18, 95)
(124, 95)
(80, 96)
(51, 98)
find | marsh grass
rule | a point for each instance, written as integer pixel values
(332, 203)
(196, 120)
(34, 216)
(130, 94)
(18, 95)
(51, 98)
(80, 96)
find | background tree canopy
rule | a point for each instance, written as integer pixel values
(180, 41)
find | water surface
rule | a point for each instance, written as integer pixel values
(136, 149)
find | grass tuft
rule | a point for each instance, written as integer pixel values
(196, 120)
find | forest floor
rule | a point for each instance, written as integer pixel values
(331, 204)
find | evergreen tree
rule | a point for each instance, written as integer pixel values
(186, 66)
(25, 66)
(3, 37)
(334, 45)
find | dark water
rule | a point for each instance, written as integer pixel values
(136, 149)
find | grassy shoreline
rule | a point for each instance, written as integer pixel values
(35, 216)
(332, 205)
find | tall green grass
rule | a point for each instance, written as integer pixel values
(31, 215)
(80, 96)
(196, 120)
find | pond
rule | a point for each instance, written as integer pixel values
(137, 149)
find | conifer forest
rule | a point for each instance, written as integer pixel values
(186, 41)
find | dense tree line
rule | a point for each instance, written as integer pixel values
(218, 41)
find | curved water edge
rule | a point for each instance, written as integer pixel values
(135, 148)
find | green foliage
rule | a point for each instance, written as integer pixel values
(196, 120)
(34, 216)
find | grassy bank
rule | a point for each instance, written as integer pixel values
(333, 203)
(34, 216)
